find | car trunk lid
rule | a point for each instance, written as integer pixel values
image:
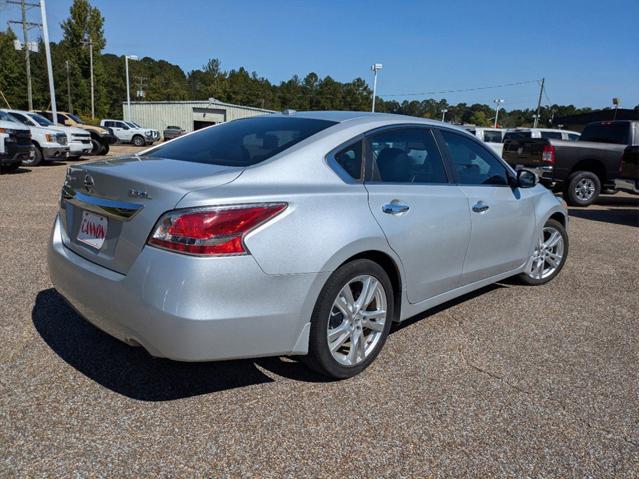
(119, 201)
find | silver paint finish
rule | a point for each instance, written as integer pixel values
(192, 308)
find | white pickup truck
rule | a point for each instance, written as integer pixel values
(79, 139)
(130, 132)
(15, 144)
(49, 144)
(493, 137)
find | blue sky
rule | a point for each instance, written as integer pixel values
(586, 50)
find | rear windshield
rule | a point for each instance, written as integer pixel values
(243, 142)
(517, 135)
(607, 133)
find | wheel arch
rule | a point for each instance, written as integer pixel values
(592, 165)
(392, 269)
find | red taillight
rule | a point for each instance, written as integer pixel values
(548, 156)
(211, 231)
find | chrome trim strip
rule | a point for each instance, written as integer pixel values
(112, 208)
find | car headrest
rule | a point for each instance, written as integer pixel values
(393, 165)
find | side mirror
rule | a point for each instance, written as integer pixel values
(526, 179)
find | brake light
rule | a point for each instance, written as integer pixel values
(214, 231)
(548, 156)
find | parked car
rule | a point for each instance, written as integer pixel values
(582, 168)
(49, 144)
(628, 178)
(101, 138)
(171, 132)
(549, 133)
(15, 144)
(493, 137)
(129, 132)
(79, 140)
(296, 234)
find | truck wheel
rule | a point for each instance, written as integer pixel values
(37, 157)
(96, 147)
(105, 149)
(138, 140)
(582, 188)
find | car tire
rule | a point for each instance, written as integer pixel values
(547, 253)
(328, 317)
(37, 157)
(105, 149)
(138, 141)
(582, 188)
(96, 148)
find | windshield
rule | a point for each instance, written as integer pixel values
(5, 117)
(242, 142)
(132, 125)
(75, 118)
(40, 120)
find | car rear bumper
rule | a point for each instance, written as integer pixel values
(189, 308)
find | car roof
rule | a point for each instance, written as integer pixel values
(342, 116)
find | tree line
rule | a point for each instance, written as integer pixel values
(162, 80)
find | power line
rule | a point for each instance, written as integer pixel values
(461, 90)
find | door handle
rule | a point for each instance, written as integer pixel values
(395, 208)
(480, 207)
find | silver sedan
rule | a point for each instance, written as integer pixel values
(296, 234)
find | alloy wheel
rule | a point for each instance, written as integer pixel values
(548, 254)
(356, 321)
(585, 189)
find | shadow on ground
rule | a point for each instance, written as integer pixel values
(619, 209)
(132, 372)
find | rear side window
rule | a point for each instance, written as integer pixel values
(474, 164)
(551, 135)
(517, 135)
(492, 136)
(573, 136)
(607, 133)
(243, 142)
(406, 155)
(350, 159)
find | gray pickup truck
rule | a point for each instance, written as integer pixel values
(580, 169)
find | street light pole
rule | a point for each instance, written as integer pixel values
(128, 88)
(444, 111)
(375, 68)
(497, 102)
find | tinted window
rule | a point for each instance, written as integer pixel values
(5, 117)
(607, 133)
(555, 135)
(517, 135)
(241, 142)
(492, 136)
(350, 158)
(573, 136)
(406, 155)
(40, 120)
(21, 118)
(473, 163)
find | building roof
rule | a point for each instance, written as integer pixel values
(198, 103)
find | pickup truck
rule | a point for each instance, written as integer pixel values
(493, 137)
(130, 132)
(580, 169)
(101, 138)
(79, 139)
(15, 144)
(49, 144)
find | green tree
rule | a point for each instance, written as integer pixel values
(12, 72)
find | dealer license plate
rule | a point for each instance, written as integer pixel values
(93, 229)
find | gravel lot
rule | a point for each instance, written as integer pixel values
(509, 381)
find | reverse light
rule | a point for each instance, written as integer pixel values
(216, 231)
(548, 156)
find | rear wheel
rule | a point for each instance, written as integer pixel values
(549, 255)
(351, 320)
(37, 157)
(582, 188)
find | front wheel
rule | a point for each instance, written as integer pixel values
(549, 255)
(138, 141)
(36, 159)
(351, 320)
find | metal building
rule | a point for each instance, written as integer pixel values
(189, 115)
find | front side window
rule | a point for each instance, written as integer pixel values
(406, 155)
(350, 159)
(473, 163)
(573, 136)
(242, 142)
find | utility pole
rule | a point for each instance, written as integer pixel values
(444, 111)
(47, 50)
(66, 63)
(26, 47)
(541, 92)
(88, 42)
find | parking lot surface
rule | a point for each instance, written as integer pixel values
(508, 381)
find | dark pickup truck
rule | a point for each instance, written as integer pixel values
(580, 169)
(628, 178)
